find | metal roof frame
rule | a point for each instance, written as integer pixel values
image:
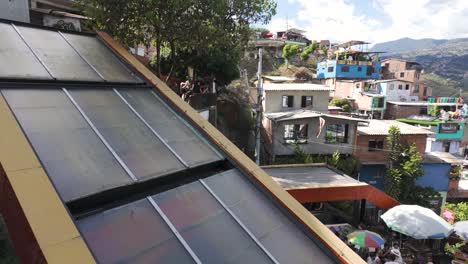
(25, 178)
(255, 173)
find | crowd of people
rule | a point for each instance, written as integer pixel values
(388, 255)
(188, 89)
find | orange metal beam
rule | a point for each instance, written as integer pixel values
(342, 193)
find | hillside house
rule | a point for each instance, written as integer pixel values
(371, 139)
(315, 132)
(409, 71)
(399, 109)
(293, 113)
(447, 135)
(371, 147)
(294, 36)
(366, 100)
(349, 61)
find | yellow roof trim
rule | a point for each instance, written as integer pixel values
(337, 247)
(52, 226)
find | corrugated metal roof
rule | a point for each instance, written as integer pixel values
(279, 78)
(290, 177)
(418, 103)
(296, 87)
(303, 113)
(292, 115)
(381, 127)
(442, 157)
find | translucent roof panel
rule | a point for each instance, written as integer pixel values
(144, 154)
(17, 59)
(75, 159)
(278, 234)
(101, 58)
(210, 231)
(134, 233)
(60, 58)
(176, 132)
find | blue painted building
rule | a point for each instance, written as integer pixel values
(435, 176)
(345, 69)
(436, 168)
(373, 174)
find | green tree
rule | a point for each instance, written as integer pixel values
(433, 110)
(191, 29)
(305, 55)
(460, 210)
(289, 51)
(344, 103)
(300, 156)
(403, 169)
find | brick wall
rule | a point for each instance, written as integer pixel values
(361, 150)
(401, 111)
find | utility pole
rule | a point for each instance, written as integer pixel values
(259, 111)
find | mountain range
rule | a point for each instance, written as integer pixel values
(445, 61)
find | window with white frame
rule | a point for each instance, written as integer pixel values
(296, 133)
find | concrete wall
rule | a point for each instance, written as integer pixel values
(17, 10)
(363, 154)
(357, 70)
(344, 89)
(435, 176)
(273, 100)
(396, 94)
(314, 145)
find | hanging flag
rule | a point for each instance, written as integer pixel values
(320, 126)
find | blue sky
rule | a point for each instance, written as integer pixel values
(373, 20)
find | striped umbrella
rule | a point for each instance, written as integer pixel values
(365, 239)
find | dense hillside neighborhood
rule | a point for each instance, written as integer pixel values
(153, 131)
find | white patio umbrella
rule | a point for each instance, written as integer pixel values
(461, 228)
(417, 222)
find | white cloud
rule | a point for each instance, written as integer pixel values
(280, 24)
(339, 20)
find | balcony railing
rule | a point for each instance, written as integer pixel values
(367, 63)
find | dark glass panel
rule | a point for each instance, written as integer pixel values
(58, 55)
(209, 230)
(178, 135)
(77, 162)
(280, 236)
(145, 155)
(17, 59)
(133, 233)
(101, 58)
